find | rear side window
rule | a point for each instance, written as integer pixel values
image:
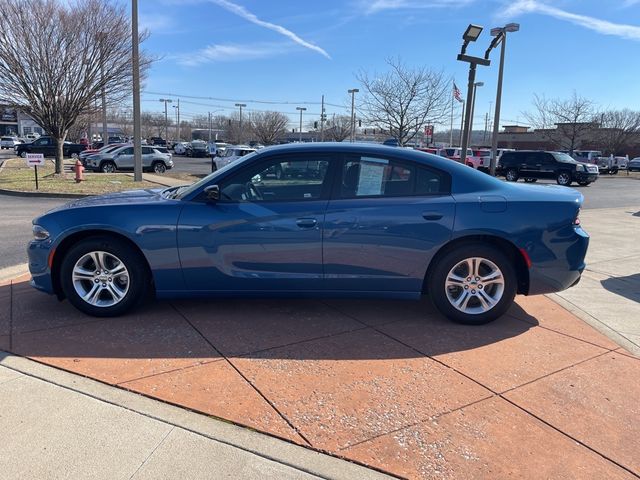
(365, 176)
(145, 151)
(507, 158)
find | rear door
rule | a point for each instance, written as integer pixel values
(124, 159)
(385, 221)
(549, 166)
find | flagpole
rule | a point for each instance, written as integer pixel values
(462, 123)
(451, 131)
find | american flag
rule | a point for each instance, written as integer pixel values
(456, 93)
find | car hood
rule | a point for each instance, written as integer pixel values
(129, 197)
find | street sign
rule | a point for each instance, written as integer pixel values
(35, 159)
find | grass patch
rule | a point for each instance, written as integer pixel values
(16, 176)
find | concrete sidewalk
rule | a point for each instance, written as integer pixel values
(608, 296)
(59, 425)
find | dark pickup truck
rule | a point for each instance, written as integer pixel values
(47, 146)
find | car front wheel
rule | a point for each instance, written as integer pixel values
(103, 276)
(159, 168)
(108, 167)
(23, 154)
(473, 284)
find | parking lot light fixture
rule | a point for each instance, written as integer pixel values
(241, 106)
(302, 109)
(470, 35)
(135, 61)
(500, 35)
(353, 92)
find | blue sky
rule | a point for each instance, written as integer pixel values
(286, 51)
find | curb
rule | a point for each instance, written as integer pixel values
(301, 458)
(9, 274)
(17, 193)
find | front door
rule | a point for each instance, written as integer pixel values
(386, 220)
(264, 234)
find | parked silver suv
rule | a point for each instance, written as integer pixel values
(122, 159)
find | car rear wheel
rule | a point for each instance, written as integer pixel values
(564, 178)
(74, 155)
(108, 167)
(473, 284)
(159, 168)
(512, 175)
(103, 276)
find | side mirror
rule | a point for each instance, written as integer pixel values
(213, 193)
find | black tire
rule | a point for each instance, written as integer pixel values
(23, 154)
(75, 155)
(564, 178)
(440, 271)
(530, 180)
(511, 175)
(139, 277)
(108, 167)
(584, 184)
(158, 168)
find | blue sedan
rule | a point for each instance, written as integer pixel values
(317, 220)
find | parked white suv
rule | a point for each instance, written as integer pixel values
(9, 142)
(231, 154)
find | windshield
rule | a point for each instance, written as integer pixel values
(182, 192)
(563, 157)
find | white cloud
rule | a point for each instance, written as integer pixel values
(521, 7)
(247, 15)
(230, 53)
(376, 6)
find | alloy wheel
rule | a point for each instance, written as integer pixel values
(474, 285)
(100, 279)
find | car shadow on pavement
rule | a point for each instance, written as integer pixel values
(183, 332)
(628, 287)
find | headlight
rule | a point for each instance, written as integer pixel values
(39, 233)
(581, 168)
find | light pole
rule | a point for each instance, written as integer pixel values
(353, 92)
(135, 61)
(471, 34)
(500, 35)
(166, 118)
(241, 105)
(105, 131)
(473, 109)
(302, 109)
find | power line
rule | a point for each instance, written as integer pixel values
(266, 102)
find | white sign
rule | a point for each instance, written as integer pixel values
(35, 159)
(371, 175)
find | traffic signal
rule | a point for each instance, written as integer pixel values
(315, 125)
(359, 123)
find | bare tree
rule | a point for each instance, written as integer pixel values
(566, 123)
(57, 57)
(266, 127)
(338, 128)
(403, 100)
(617, 130)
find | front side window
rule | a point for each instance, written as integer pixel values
(381, 177)
(278, 180)
(145, 151)
(127, 151)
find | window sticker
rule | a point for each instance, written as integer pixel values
(371, 176)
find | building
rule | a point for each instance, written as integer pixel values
(14, 122)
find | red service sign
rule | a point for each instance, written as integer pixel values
(428, 130)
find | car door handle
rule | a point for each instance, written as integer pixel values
(431, 216)
(306, 222)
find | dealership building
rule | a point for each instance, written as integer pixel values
(16, 123)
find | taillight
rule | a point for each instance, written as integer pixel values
(576, 221)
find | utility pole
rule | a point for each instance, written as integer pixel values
(137, 141)
(166, 118)
(302, 109)
(209, 128)
(241, 105)
(353, 92)
(322, 118)
(178, 132)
